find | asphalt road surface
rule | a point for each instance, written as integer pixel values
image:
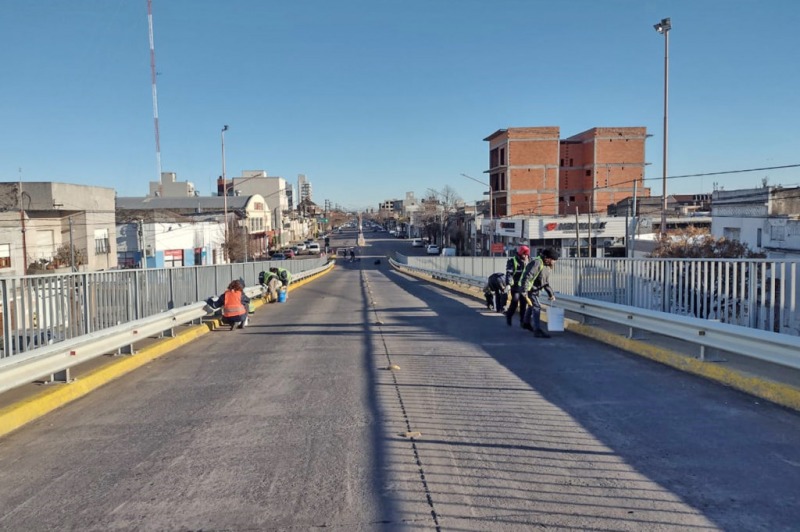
(295, 423)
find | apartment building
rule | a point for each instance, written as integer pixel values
(534, 172)
(523, 171)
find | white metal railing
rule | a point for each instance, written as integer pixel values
(39, 310)
(756, 293)
(769, 346)
(55, 359)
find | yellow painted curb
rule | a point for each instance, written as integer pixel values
(775, 392)
(15, 416)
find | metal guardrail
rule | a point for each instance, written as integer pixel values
(55, 360)
(757, 293)
(769, 346)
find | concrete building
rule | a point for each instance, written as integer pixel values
(303, 188)
(766, 219)
(248, 216)
(48, 223)
(533, 172)
(169, 187)
(274, 192)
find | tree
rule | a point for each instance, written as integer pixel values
(698, 243)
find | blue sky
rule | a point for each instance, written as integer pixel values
(371, 99)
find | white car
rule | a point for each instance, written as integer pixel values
(301, 246)
(432, 249)
(313, 248)
(417, 243)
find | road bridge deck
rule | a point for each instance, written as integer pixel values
(296, 422)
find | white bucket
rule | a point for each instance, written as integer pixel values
(555, 319)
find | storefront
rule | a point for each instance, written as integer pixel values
(604, 235)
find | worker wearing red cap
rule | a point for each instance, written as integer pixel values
(515, 266)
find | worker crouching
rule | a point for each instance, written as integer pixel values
(234, 303)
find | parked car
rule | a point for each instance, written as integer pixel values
(432, 249)
(301, 246)
(278, 256)
(290, 254)
(448, 252)
(417, 243)
(313, 248)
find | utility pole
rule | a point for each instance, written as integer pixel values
(224, 195)
(577, 232)
(22, 224)
(142, 245)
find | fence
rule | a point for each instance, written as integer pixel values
(39, 310)
(756, 293)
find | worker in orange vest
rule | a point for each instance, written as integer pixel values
(234, 303)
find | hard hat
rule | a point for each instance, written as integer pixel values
(524, 251)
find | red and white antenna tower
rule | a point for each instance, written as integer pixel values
(155, 92)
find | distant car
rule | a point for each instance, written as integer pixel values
(278, 256)
(417, 243)
(313, 248)
(295, 249)
(432, 249)
(448, 252)
(301, 246)
(290, 254)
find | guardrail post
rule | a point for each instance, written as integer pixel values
(61, 377)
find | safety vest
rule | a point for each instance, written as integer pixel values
(516, 274)
(233, 304)
(284, 275)
(530, 284)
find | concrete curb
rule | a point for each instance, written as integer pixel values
(52, 397)
(775, 392)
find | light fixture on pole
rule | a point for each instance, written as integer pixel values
(224, 195)
(663, 27)
(491, 209)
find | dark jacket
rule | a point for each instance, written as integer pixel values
(537, 277)
(515, 267)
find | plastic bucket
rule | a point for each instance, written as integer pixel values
(555, 319)
(281, 296)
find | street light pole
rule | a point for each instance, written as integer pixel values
(663, 27)
(224, 195)
(491, 209)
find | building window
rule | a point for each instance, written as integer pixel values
(572, 199)
(561, 163)
(502, 156)
(588, 173)
(5, 255)
(732, 233)
(101, 246)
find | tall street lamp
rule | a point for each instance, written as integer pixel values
(224, 194)
(663, 27)
(491, 210)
